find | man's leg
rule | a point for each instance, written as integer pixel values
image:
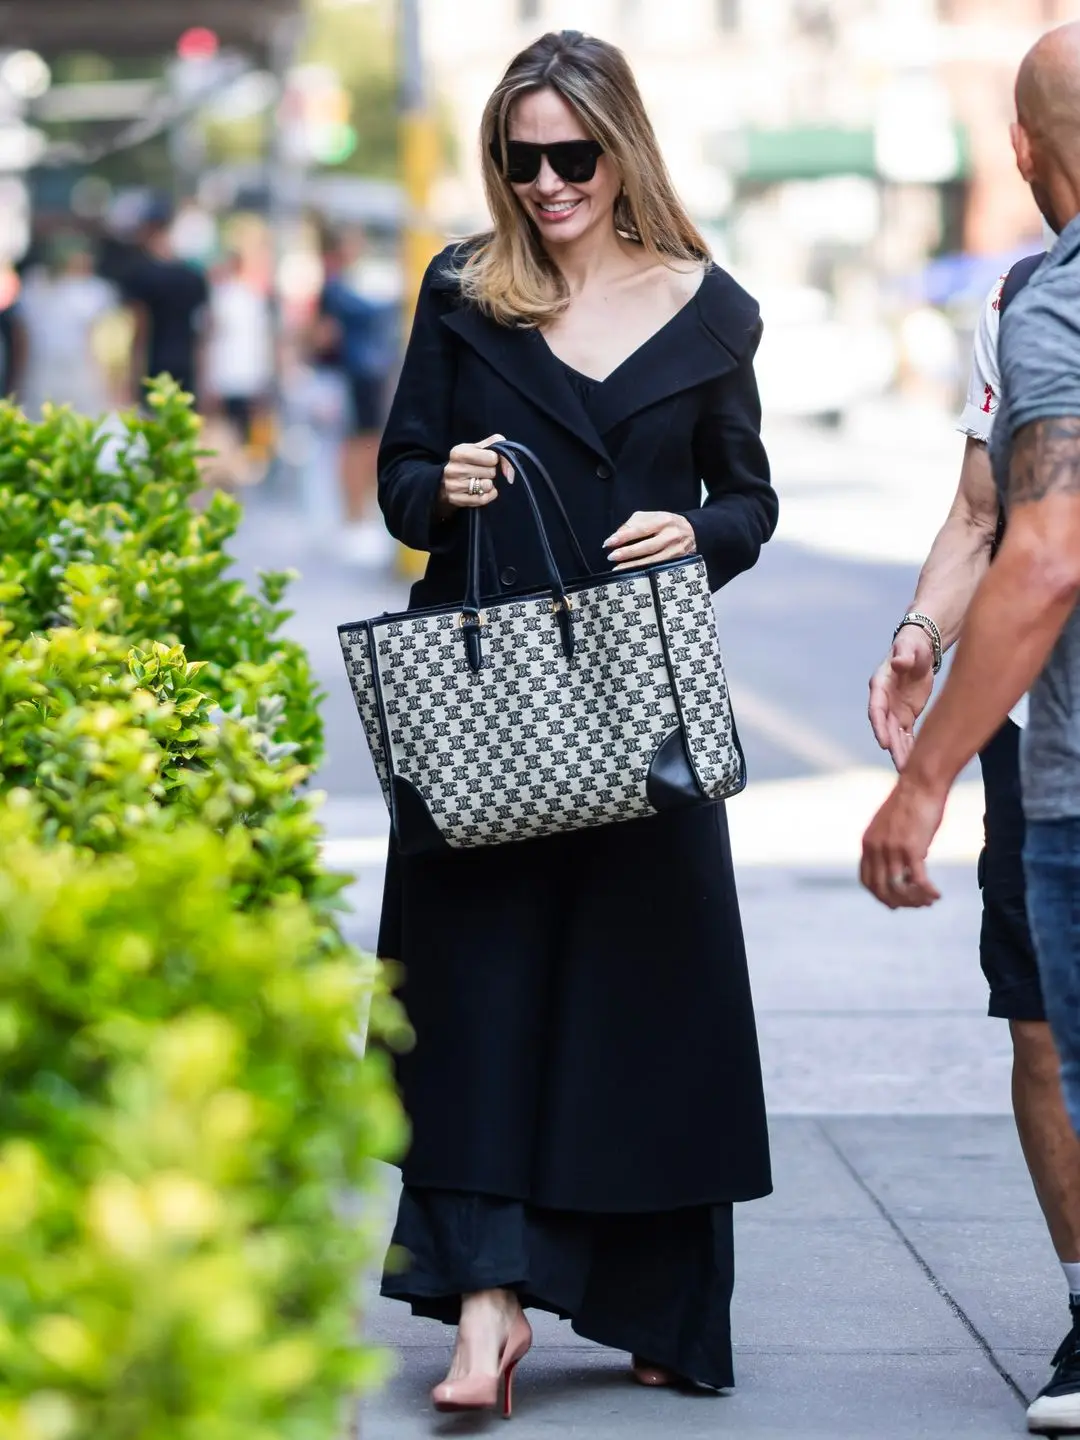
(361, 476)
(1050, 1144)
(1052, 863)
(366, 540)
(1052, 866)
(1012, 970)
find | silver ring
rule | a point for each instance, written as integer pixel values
(901, 881)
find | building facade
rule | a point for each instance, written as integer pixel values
(984, 42)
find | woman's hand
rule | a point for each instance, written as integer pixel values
(468, 480)
(649, 537)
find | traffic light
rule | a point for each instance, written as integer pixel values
(198, 43)
(317, 112)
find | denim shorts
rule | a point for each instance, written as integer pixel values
(1052, 865)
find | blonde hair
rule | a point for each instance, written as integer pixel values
(507, 272)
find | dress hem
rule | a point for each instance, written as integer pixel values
(658, 1286)
(426, 1306)
(544, 1202)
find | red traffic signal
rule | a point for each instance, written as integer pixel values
(198, 43)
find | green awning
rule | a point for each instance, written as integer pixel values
(807, 152)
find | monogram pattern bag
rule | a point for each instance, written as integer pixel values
(589, 702)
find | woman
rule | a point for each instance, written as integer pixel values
(585, 1088)
(364, 326)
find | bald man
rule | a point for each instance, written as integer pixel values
(1023, 627)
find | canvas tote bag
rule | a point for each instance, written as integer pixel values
(590, 701)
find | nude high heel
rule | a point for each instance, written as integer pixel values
(654, 1376)
(483, 1392)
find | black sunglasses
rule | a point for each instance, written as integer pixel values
(572, 160)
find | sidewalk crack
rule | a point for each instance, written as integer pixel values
(943, 1291)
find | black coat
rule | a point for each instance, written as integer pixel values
(585, 1031)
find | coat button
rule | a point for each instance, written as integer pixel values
(508, 576)
(603, 471)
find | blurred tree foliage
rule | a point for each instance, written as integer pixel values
(358, 41)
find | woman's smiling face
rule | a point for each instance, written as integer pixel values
(562, 212)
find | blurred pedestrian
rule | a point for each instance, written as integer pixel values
(1022, 630)
(240, 346)
(319, 397)
(12, 334)
(585, 1090)
(169, 300)
(62, 306)
(899, 692)
(358, 337)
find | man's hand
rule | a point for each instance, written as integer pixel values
(897, 843)
(899, 691)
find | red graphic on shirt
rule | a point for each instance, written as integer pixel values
(1000, 289)
(988, 403)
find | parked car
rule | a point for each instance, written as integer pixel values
(813, 366)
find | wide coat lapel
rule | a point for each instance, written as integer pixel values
(705, 340)
(522, 358)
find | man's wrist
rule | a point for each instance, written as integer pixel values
(916, 619)
(916, 635)
(923, 774)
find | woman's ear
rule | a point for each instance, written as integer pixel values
(622, 217)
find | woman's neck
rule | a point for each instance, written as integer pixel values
(594, 256)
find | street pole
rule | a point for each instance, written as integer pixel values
(419, 144)
(419, 149)
(284, 172)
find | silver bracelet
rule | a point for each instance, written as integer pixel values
(916, 617)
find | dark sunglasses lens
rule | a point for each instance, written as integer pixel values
(522, 162)
(574, 160)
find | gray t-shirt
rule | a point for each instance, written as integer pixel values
(1039, 351)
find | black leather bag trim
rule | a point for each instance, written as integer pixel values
(658, 610)
(671, 783)
(740, 784)
(414, 825)
(384, 726)
(588, 582)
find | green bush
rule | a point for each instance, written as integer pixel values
(121, 550)
(186, 1119)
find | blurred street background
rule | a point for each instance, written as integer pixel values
(849, 161)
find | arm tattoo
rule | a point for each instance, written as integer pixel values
(1045, 460)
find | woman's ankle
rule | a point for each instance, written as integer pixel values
(504, 1301)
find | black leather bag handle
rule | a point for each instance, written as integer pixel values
(471, 618)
